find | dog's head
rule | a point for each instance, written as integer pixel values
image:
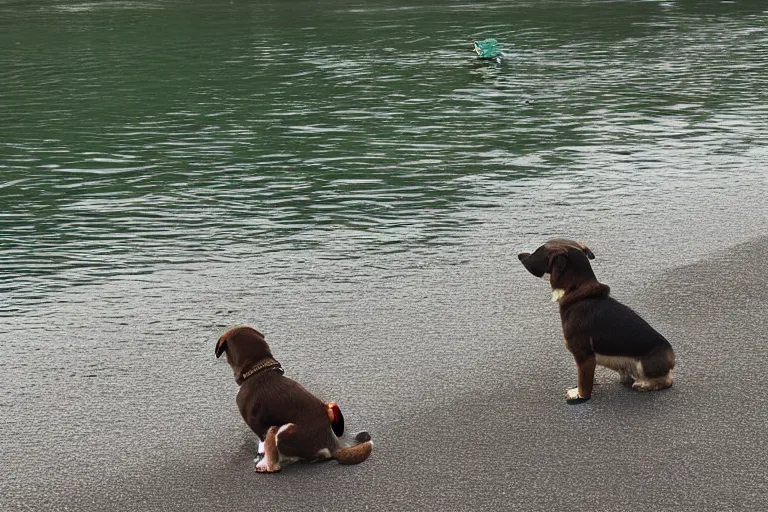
(244, 346)
(566, 262)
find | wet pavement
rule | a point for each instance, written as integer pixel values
(469, 414)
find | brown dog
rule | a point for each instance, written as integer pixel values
(597, 328)
(291, 422)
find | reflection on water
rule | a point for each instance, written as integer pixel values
(126, 148)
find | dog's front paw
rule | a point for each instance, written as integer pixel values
(264, 467)
(572, 396)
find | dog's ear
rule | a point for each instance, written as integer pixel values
(558, 260)
(586, 250)
(221, 346)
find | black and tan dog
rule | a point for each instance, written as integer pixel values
(291, 422)
(597, 328)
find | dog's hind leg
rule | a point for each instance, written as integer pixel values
(655, 370)
(653, 384)
(304, 443)
(271, 461)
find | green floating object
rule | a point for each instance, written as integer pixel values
(486, 49)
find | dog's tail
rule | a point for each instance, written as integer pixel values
(356, 453)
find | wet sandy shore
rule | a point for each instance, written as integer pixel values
(468, 413)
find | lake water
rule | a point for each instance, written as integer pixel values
(171, 168)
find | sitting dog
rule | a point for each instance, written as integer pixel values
(290, 421)
(597, 328)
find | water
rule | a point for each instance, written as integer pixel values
(143, 135)
(168, 169)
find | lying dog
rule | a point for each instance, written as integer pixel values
(597, 328)
(291, 422)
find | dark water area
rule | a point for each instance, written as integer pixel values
(169, 169)
(139, 135)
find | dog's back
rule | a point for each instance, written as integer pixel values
(615, 329)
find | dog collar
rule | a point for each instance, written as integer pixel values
(265, 365)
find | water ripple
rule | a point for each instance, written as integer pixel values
(120, 156)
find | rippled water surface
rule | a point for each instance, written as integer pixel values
(141, 135)
(335, 171)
